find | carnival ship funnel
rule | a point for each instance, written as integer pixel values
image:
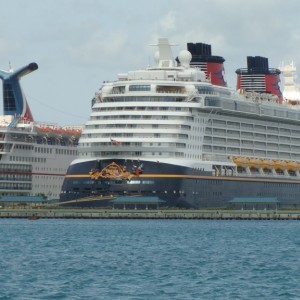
(259, 78)
(212, 65)
(14, 101)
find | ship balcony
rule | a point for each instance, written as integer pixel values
(4, 152)
(14, 189)
(171, 89)
(133, 154)
(14, 178)
(125, 148)
(141, 136)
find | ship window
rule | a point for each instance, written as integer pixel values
(139, 88)
(260, 136)
(232, 124)
(88, 182)
(118, 90)
(273, 129)
(134, 182)
(204, 90)
(213, 101)
(9, 99)
(219, 123)
(259, 128)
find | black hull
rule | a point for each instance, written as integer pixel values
(179, 186)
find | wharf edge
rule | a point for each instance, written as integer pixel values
(149, 214)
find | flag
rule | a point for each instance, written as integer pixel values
(138, 169)
(114, 142)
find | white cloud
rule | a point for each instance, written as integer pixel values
(8, 46)
(89, 41)
(99, 48)
(168, 22)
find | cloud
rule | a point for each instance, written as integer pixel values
(8, 46)
(89, 41)
(168, 22)
(98, 48)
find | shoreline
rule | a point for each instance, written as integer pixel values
(34, 214)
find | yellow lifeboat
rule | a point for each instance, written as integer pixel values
(254, 163)
(241, 161)
(293, 166)
(280, 165)
(267, 164)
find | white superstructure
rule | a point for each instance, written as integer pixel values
(34, 158)
(291, 90)
(174, 114)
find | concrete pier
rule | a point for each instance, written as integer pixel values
(148, 214)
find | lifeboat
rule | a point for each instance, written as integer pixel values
(280, 165)
(292, 166)
(267, 164)
(254, 163)
(241, 161)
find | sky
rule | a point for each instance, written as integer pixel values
(78, 44)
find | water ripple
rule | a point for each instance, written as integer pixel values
(149, 259)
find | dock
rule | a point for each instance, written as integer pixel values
(150, 214)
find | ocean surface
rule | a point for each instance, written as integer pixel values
(149, 259)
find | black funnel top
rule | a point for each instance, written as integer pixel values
(257, 65)
(202, 53)
(199, 49)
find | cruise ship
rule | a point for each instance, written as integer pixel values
(34, 156)
(175, 132)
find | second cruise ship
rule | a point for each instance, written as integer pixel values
(177, 133)
(34, 156)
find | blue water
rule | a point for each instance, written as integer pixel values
(149, 259)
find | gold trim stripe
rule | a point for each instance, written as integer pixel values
(229, 178)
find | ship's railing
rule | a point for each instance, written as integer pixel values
(21, 129)
(271, 175)
(245, 71)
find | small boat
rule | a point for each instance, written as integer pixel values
(33, 217)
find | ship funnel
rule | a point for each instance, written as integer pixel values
(14, 101)
(210, 64)
(259, 78)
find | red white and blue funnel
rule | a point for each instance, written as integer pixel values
(14, 101)
(259, 78)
